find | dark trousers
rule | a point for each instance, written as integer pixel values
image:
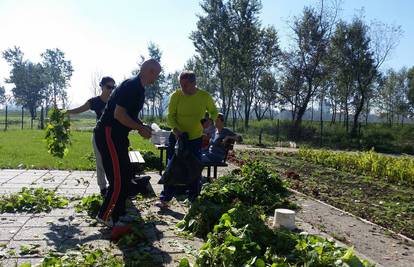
(193, 189)
(115, 159)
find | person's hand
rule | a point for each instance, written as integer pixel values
(177, 133)
(145, 131)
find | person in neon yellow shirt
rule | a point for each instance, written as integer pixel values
(187, 107)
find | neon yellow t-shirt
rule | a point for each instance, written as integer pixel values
(186, 111)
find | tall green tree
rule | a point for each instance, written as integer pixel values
(304, 65)
(341, 69)
(2, 95)
(410, 93)
(58, 72)
(257, 50)
(213, 43)
(156, 92)
(28, 78)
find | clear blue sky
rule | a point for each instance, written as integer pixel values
(108, 36)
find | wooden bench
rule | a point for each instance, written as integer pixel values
(228, 146)
(137, 162)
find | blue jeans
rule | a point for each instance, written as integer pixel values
(193, 189)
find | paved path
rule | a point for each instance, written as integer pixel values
(64, 229)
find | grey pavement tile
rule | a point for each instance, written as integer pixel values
(28, 185)
(33, 261)
(9, 190)
(42, 247)
(6, 234)
(69, 192)
(32, 233)
(66, 212)
(13, 221)
(42, 221)
(8, 262)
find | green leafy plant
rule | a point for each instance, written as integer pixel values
(87, 255)
(241, 238)
(254, 185)
(393, 169)
(90, 204)
(57, 133)
(32, 200)
(30, 249)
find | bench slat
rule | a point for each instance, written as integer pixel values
(139, 157)
(136, 157)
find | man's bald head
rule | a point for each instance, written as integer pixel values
(150, 70)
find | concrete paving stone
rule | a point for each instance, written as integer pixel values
(43, 249)
(12, 171)
(28, 185)
(170, 245)
(9, 262)
(66, 212)
(41, 221)
(74, 184)
(32, 233)
(79, 174)
(23, 180)
(51, 179)
(4, 191)
(33, 261)
(70, 192)
(7, 233)
(12, 221)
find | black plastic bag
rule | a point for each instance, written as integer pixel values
(184, 168)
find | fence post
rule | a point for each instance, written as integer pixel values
(5, 125)
(41, 118)
(278, 130)
(321, 141)
(22, 116)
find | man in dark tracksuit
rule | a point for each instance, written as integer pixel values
(111, 136)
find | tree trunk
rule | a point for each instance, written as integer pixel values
(358, 110)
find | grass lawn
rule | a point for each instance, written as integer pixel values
(26, 148)
(389, 205)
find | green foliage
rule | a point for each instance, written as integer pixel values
(85, 256)
(152, 161)
(33, 200)
(241, 238)
(136, 236)
(90, 204)
(28, 79)
(29, 249)
(393, 169)
(254, 185)
(57, 133)
(58, 71)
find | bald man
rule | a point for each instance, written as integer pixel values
(111, 136)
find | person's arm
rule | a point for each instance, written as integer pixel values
(83, 108)
(231, 136)
(172, 115)
(122, 116)
(211, 108)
